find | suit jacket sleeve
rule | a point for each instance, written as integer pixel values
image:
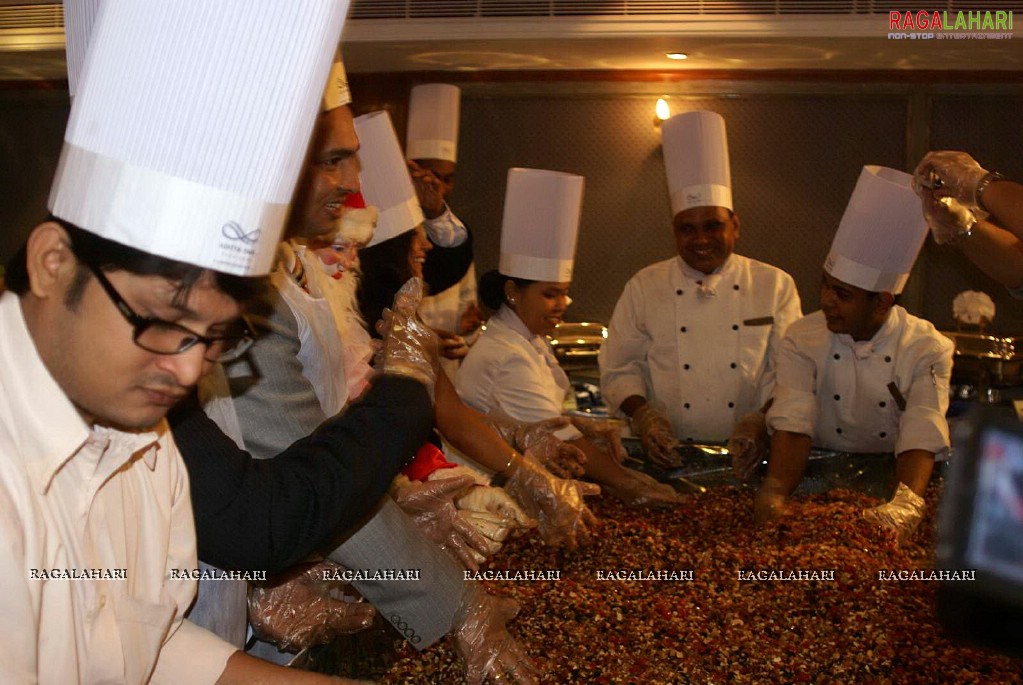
(269, 514)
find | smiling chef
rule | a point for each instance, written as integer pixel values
(862, 374)
(691, 342)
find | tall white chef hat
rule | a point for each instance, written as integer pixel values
(880, 234)
(190, 123)
(541, 224)
(696, 161)
(385, 179)
(433, 122)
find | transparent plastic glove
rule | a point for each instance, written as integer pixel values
(409, 347)
(902, 514)
(542, 441)
(749, 444)
(948, 219)
(638, 490)
(489, 510)
(556, 503)
(957, 175)
(431, 506)
(658, 437)
(604, 434)
(301, 612)
(482, 639)
(770, 503)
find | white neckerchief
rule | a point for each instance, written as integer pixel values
(706, 284)
(862, 349)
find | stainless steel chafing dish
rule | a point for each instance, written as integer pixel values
(986, 360)
(577, 341)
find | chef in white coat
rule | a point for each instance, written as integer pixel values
(511, 370)
(862, 374)
(691, 342)
(432, 148)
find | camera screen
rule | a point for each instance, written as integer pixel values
(996, 531)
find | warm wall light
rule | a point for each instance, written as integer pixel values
(676, 55)
(661, 111)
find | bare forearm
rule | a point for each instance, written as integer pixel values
(466, 429)
(997, 252)
(913, 467)
(632, 403)
(243, 669)
(1004, 200)
(789, 455)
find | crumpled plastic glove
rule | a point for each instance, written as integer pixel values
(542, 441)
(301, 612)
(431, 506)
(491, 511)
(654, 430)
(902, 514)
(408, 346)
(749, 444)
(948, 219)
(770, 502)
(604, 434)
(556, 503)
(639, 490)
(482, 639)
(958, 174)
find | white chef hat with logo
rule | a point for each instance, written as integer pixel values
(386, 183)
(695, 148)
(880, 234)
(432, 131)
(541, 224)
(190, 122)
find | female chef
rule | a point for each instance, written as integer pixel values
(511, 370)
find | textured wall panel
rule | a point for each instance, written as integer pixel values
(984, 127)
(794, 163)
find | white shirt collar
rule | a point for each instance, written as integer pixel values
(51, 431)
(507, 316)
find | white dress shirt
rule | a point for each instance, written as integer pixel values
(701, 345)
(887, 394)
(446, 229)
(79, 498)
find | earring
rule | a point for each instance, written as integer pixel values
(511, 300)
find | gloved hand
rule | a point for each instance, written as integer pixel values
(948, 219)
(769, 503)
(902, 514)
(638, 490)
(481, 638)
(409, 347)
(555, 502)
(604, 434)
(431, 506)
(657, 435)
(489, 510)
(542, 442)
(749, 444)
(958, 173)
(300, 612)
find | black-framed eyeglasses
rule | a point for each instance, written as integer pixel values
(165, 337)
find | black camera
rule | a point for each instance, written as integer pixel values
(980, 534)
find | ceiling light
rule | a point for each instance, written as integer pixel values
(676, 55)
(662, 111)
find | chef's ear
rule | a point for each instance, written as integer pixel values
(735, 219)
(49, 262)
(885, 301)
(510, 291)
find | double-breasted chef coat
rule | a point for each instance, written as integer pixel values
(887, 394)
(707, 358)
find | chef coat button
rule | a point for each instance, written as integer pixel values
(683, 329)
(838, 397)
(685, 367)
(838, 430)
(883, 434)
(882, 404)
(734, 365)
(678, 292)
(888, 359)
(731, 405)
(735, 326)
(837, 355)
(686, 405)
(735, 287)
